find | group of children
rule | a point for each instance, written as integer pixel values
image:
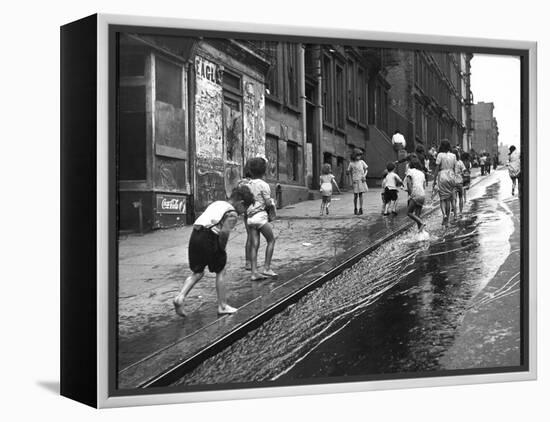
(252, 197)
(415, 185)
(208, 241)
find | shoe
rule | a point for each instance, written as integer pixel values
(327, 211)
(270, 273)
(386, 213)
(394, 212)
(355, 211)
(360, 211)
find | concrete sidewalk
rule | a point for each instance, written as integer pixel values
(152, 268)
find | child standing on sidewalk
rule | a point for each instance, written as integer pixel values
(357, 170)
(207, 245)
(416, 187)
(460, 169)
(327, 179)
(390, 186)
(258, 221)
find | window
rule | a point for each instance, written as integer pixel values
(291, 64)
(292, 161)
(351, 90)
(273, 51)
(362, 95)
(327, 90)
(132, 123)
(339, 96)
(132, 133)
(168, 82)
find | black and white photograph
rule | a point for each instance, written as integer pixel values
(289, 211)
(295, 211)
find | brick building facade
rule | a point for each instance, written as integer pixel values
(191, 111)
(485, 134)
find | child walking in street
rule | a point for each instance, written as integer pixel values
(390, 185)
(327, 179)
(416, 187)
(460, 170)
(357, 170)
(257, 219)
(208, 242)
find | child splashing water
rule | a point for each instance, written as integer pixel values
(390, 186)
(357, 170)
(327, 179)
(415, 181)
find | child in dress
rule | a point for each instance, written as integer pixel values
(327, 179)
(357, 170)
(257, 219)
(390, 186)
(416, 187)
(207, 245)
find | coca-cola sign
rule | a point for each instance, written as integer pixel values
(170, 204)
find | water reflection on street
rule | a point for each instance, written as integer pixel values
(394, 311)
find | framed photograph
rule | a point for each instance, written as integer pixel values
(256, 211)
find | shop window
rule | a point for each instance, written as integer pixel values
(168, 82)
(231, 82)
(132, 133)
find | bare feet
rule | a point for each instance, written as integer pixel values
(226, 309)
(257, 276)
(178, 305)
(270, 273)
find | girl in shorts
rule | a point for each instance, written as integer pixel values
(327, 179)
(257, 219)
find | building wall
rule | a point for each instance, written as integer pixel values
(485, 134)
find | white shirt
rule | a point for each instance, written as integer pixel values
(397, 138)
(212, 216)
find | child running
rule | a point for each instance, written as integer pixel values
(416, 185)
(357, 170)
(390, 186)
(257, 219)
(327, 179)
(207, 245)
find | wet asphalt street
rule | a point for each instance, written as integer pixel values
(449, 302)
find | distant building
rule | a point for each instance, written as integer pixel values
(429, 96)
(485, 134)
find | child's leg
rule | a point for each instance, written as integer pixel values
(187, 286)
(411, 208)
(355, 195)
(393, 206)
(247, 245)
(322, 206)
(254, 246)
(267, 232)
(223, 307)
(361, 202)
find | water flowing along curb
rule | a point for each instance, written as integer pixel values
(171, 375)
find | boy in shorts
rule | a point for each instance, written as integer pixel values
(207, 245)
(390, 185)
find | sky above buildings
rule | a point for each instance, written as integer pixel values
(496, 79)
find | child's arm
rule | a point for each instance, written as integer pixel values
(335, 184)
(399, 181)
(409, 184)
(228, 224)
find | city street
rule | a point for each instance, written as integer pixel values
(407, 306)
(452, 302)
